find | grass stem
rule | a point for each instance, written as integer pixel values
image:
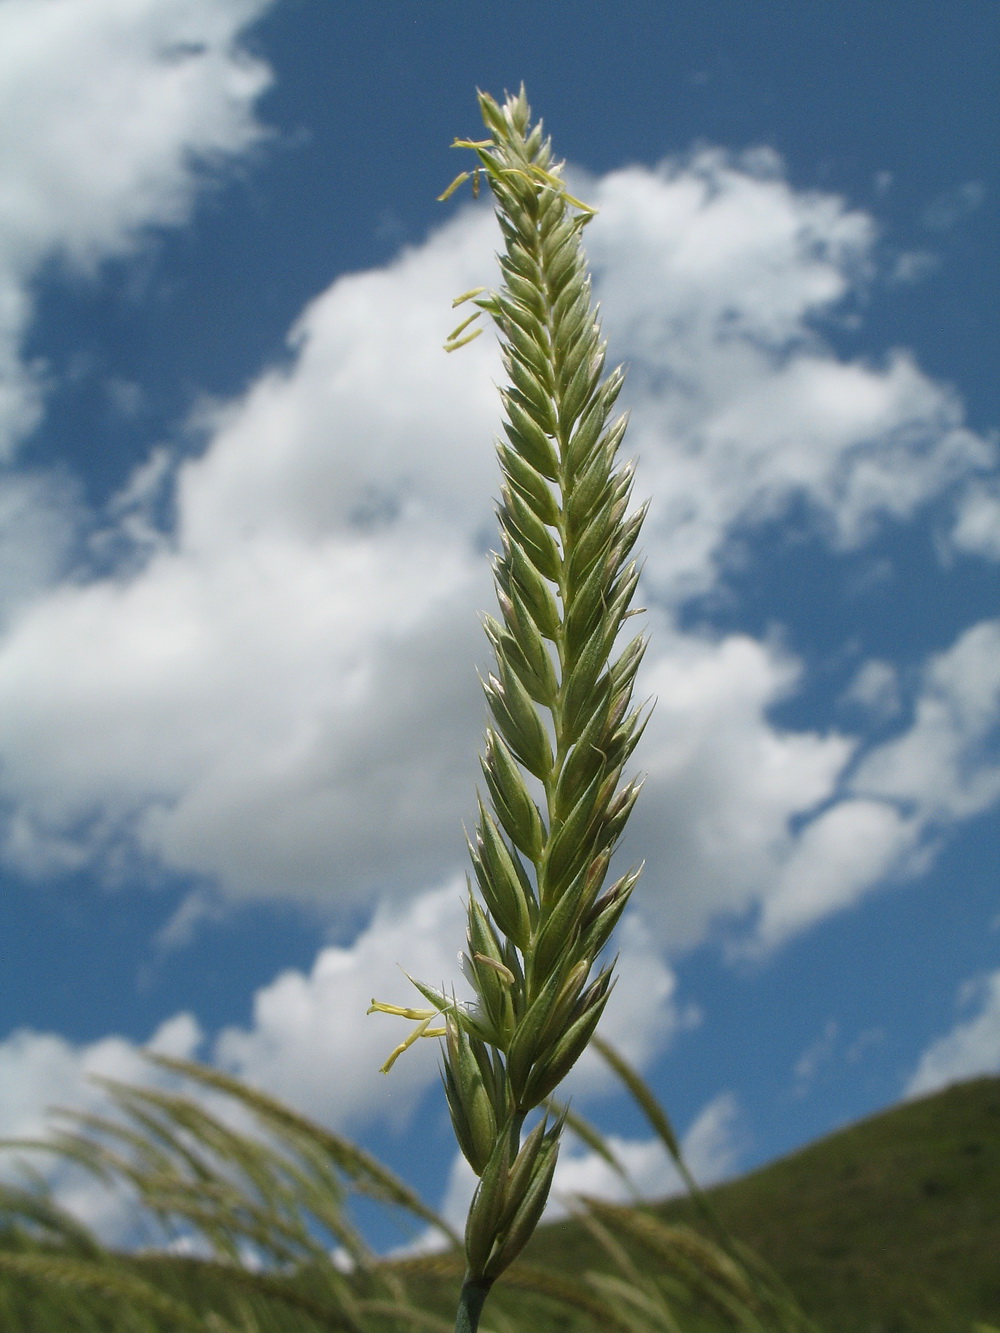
(470, 1304)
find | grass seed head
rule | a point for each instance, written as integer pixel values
(562, 724)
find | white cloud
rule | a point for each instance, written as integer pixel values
(946, 766)
(903, 795)
(371, 426)
(971, 1048)
(279, 699)
(739, 816)
(109, 112)
(977, 525)
(710, 1147)
(875, 688)
(713, 275)
(38, 526)
(106, 105)
(642, 1016)
(728, 243)
(39, 1070)
(838, 856)
(278, 696)
(713, 1144)
(284, 697)
(311, 1041)
(723, 782)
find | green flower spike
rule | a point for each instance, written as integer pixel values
(563, 727)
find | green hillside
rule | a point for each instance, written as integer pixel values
(889, 1226)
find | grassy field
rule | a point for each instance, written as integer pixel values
(889, 1226)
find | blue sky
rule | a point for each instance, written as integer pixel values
(245, 508)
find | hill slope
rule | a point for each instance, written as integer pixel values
(889, 1226)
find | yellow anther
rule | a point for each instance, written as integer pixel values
(463, 326)
(423, 1029)
(469, 337)
(399, 1011)
(467, 296)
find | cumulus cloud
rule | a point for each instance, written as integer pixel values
(977, 523)
(722, 781)
(711, 1148)
(277, 696)
(310, 1040)
(107, 111)
(715, 276)
(837, 857)
(742, 817)
(971, 1048)
(111, 116)
(38, 526)
(946, 765)
(903, 794)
